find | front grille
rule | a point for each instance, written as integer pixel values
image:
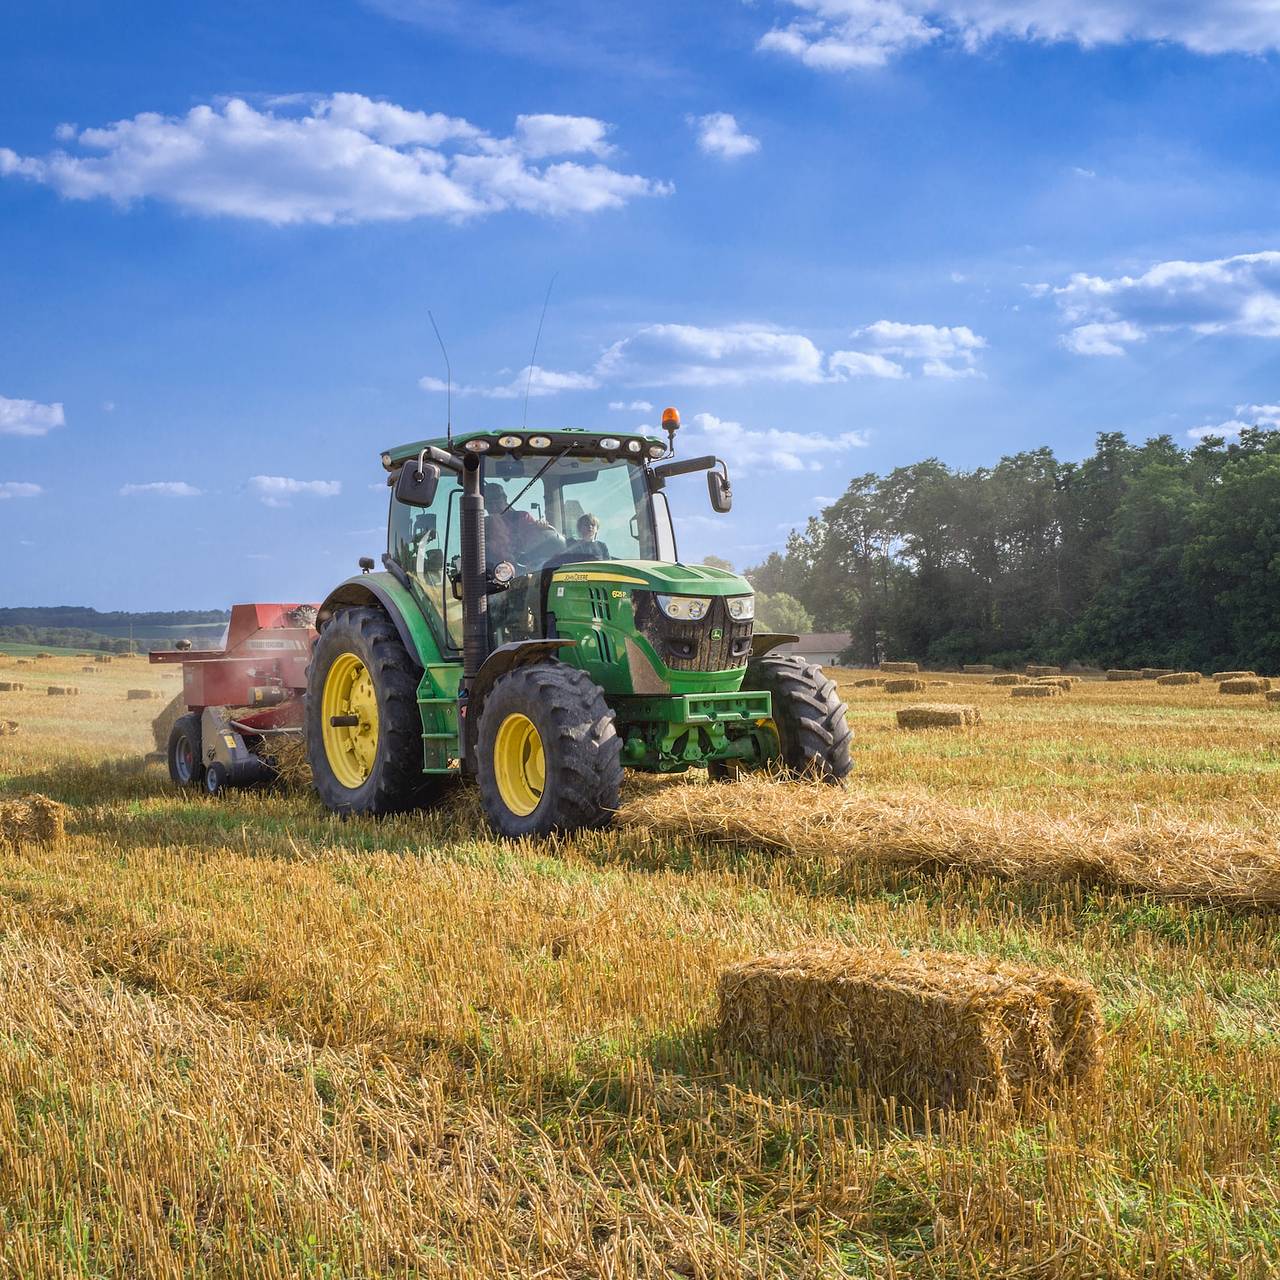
(694, 646)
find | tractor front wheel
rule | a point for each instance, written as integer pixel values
(813, 727)
(363, 729)
(548, 755)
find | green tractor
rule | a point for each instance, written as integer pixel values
(533, 629)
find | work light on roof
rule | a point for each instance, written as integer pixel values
(509, 442)
(477, 446)
(634, 446)
(540, 442)
(610, 442)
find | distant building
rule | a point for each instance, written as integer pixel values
(822, 647)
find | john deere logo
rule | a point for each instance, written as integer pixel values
(716, 633)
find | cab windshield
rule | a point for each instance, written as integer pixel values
(541, 512)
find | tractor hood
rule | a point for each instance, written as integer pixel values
(657, 575)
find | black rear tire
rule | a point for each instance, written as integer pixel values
(581, 770)
(184, 752)
(813, 726)
(395, 781)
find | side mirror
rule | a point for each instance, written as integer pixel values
(366, 564)
(721, 492)
(416, 484)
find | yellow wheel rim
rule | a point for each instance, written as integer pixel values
(519, 764)
(349, 748)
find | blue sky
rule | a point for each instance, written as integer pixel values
(840, 235)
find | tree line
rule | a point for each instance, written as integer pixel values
(1140, 555)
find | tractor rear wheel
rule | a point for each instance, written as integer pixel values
(813, 727)
(186, 763)
(363, 728)
(548, 755)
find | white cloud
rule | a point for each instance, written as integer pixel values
(719, 135)
(275, 491)
(28, 417)
(843, 35)
(631, 406)
(545, 382)
(1238, 295)
(18, 489)
(944, 351)
(688, 355)
(862, 364)
(161, 488)
(751, 449)
(341, 159)
(1246, 416)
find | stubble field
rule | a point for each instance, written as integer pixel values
(241, 1038)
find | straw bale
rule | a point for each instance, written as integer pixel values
(11, 686)
(1180, 677)
(1233, 675)
(1033, 670)
(1154, 673)
(1063, 683)
(926, 1026)
(25, 662)
(1273, 695)
(1035, 691)
(1010, 678)
(162, 725)
(1117, 673)
(873, 682)
(44, 655)
(928, 715)
(900, 668)
(102, 657)
(142, 695)
(62, 691)
(88, 670)
(32, 819)
(8, 728)
(904, 686)
(978, 669)
(1245, 684)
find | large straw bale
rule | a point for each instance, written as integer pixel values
(1035, 691)
(1180, 677)
(905, 685)
(31, 819)
(900, 668)
(25, 662)
(62, 691)
(142, 695)
(1232, 675)
(1118, 673)
(102, 657)
(162, 725)
(44, 655)
(1011, 678)
(1062, 683)
(930, 715)
(1245, 684)
(978, 669)
(1033, 671)
(926, 1026)
(11, 686)
(1154, 673)
(872, 682)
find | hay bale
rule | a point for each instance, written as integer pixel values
(1179, 677)
(25, 662)
(1063, 683)
(44, 655)
(1273, 695)
(978, 669)
(8, 728)
(102, 657)
(162, 725)
(1035, 691)
(1245, 684)
(1233, 675)
(926, 1026)
(11, 686)
(32, 819)
(1117, 673)
(62, 691)
(904, 686)
(937, 715)
(900, 668)
(1154, 673)
(1033, 671)
(874, 682)
(142, 695)
(1010, 678)
(88, 670)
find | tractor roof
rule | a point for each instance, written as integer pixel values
(596, 443)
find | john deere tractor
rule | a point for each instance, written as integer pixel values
(533, 629)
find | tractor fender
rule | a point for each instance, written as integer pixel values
(763, 641)
(382, 590)
(507, 657)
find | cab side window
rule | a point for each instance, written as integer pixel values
(417, 540)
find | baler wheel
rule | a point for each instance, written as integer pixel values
(186, 764)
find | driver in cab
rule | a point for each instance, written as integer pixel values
(516, 536)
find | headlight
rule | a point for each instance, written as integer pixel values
(685, 608)
(742, 608)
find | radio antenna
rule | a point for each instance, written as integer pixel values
(448, 373)
(528, 386)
